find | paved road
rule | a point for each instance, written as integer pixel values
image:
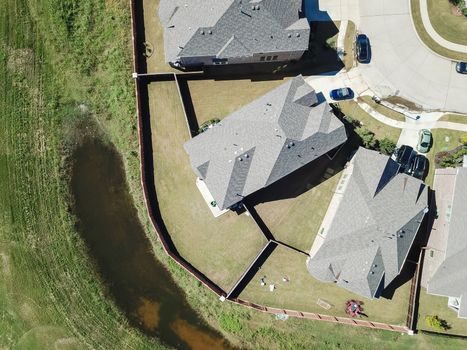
(402, 65)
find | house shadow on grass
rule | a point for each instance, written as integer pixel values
(310, 175)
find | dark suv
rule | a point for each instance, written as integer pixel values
(419, 167)
(404, 157)
(363, 48)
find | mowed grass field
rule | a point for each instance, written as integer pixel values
(451, 27)
(50, 296)
(221, 248)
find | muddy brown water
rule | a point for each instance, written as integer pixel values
(135, 280)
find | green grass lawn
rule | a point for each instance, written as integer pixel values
(221, 248)
(295, 217)
(455, 118)
(438, 305)
(303, 291)
(446, 24)
(349, 45)
(352, 109)
(443, 140)
(425, 37)
(383, 109)
(219, 98)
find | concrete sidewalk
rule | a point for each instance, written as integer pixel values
(410, 124)
(434, 35)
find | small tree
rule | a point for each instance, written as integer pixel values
(435, 322)
(367, 137)
(387, 146)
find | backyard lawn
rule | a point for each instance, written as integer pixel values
(443, 140)
(219, 98)
(221, 248)
(438, 305)
(297, 205)
(303, 291)
(451, 27)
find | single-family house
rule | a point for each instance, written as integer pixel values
(264, 141)
(210, 32)
(374, 224)
(450, 278)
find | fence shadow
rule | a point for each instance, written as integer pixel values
(253, 269)
(147, 164)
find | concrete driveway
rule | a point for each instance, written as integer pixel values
(402, 65)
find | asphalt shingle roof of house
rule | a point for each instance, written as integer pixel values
(264, 141)
(232, 28)
(373, 228)
(450, 279)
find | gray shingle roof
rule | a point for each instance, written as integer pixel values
(232, 28)
(264, 141)
(451, 277)
(373, 228)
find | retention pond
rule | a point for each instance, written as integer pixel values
(134, 279)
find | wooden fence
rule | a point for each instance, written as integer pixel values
(147, 180)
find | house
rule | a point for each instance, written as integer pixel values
(374, 223)
(450, 278)
(264, 141)
(210, 32)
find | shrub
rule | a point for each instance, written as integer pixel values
(230, 322)
(435, 322)
(354, 122)
(207, 124)
(387, 146)
(463, 139)
(448, 161)
(367, 137)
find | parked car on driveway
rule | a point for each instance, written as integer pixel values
(461, 67)
(362, 45)
(404, 157)
(419, 167)
(341, 94)
(424, 141)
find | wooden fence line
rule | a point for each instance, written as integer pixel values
(183, 263)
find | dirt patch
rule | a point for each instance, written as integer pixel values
(20, 61)
(456, 11)
(5, 264)
(402, 102)
(195, 339)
